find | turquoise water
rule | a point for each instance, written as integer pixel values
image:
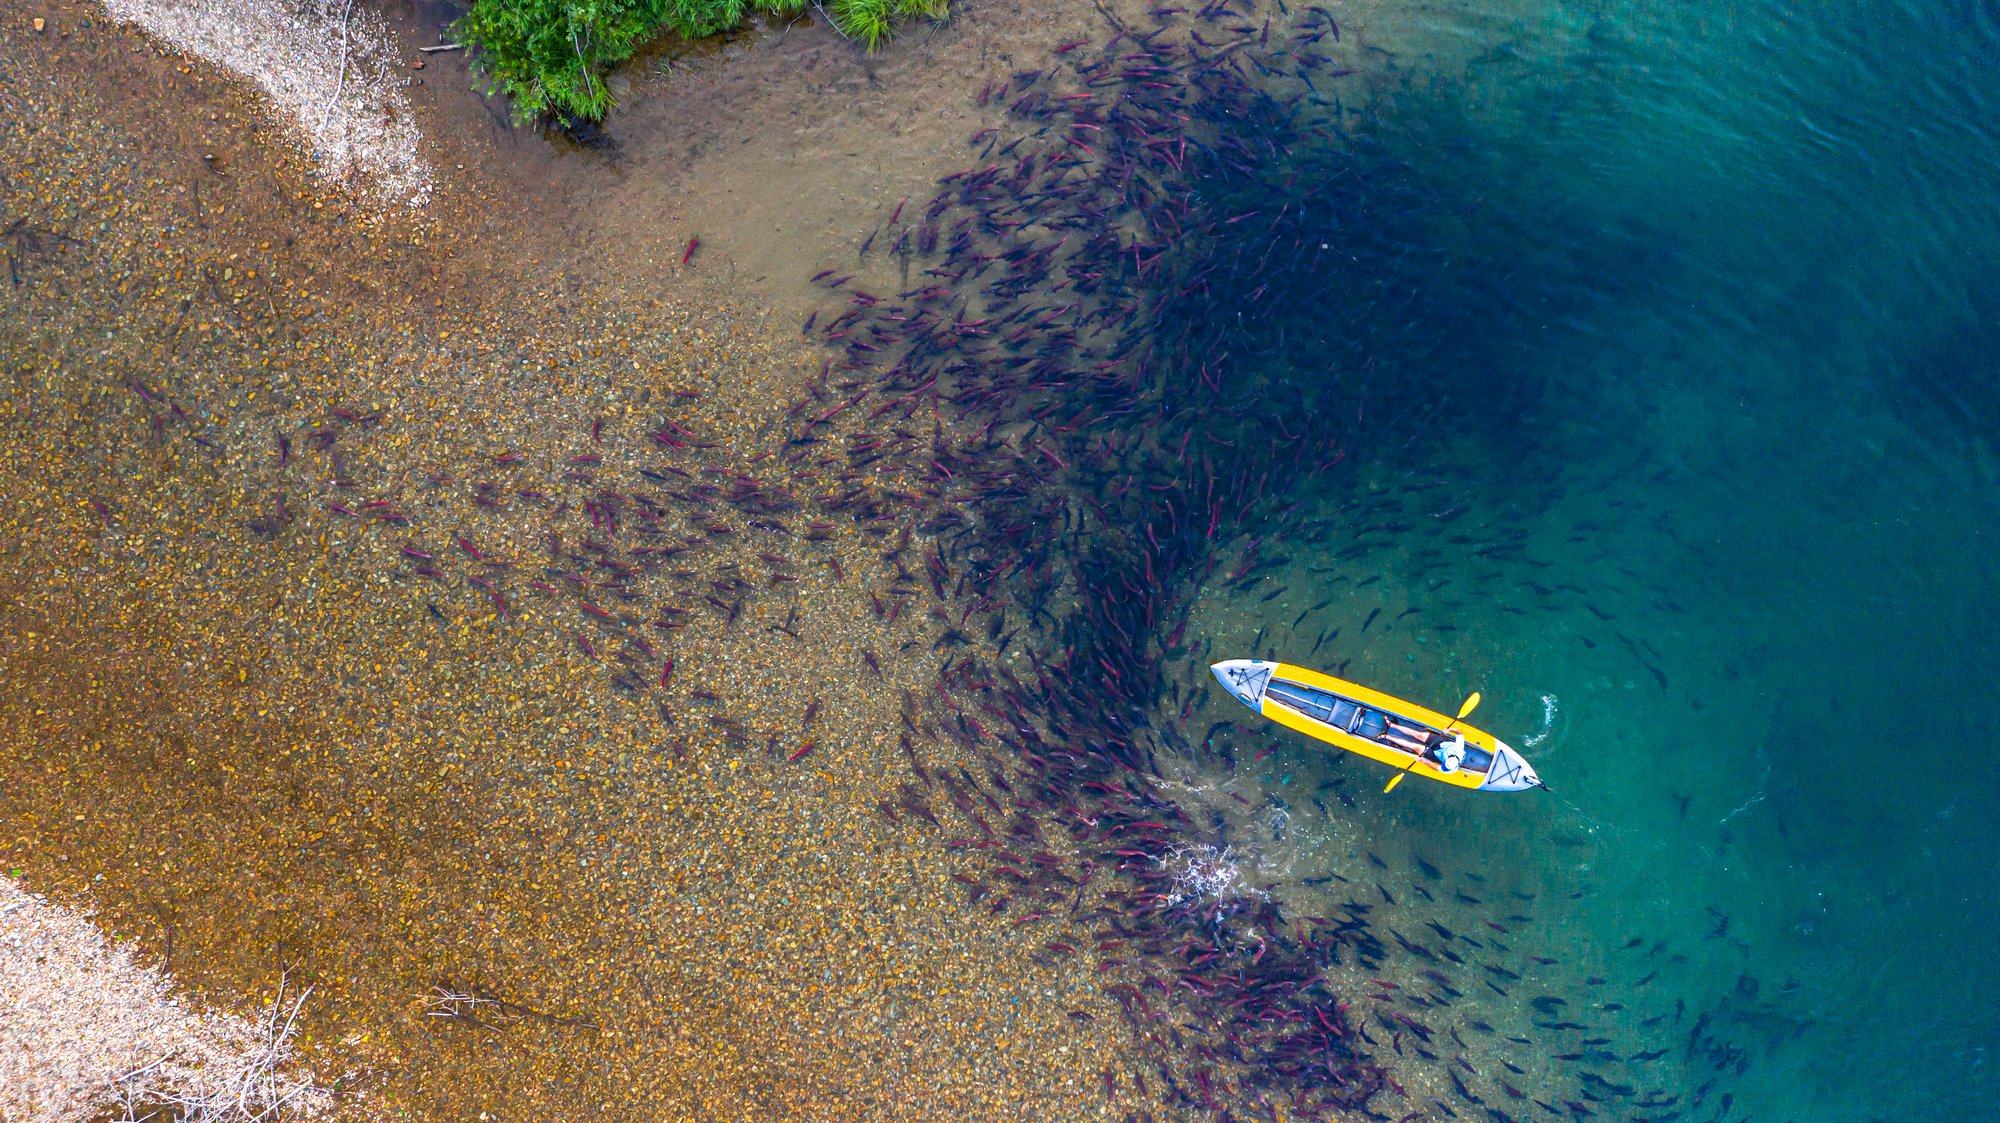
(1741, 546)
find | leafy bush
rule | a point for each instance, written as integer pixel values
(550, 55)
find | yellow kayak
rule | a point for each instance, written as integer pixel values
(1364, 721)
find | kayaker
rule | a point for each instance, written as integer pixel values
(1451, 753)
(1408, 738)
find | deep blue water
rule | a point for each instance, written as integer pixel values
(1748, 538)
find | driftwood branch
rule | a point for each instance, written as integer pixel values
(482, 1008)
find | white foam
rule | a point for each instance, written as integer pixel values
(329, 68)
(1548, 722)
(1204, 873)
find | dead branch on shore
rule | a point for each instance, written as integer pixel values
(259, 1086)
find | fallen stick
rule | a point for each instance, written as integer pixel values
(441, 47)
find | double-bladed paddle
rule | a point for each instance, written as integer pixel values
(1471, 704)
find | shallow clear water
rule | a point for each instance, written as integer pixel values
(1743, 545)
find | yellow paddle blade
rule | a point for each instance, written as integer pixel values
(1471, 704)
(1394, 780)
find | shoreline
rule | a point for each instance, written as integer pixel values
(86, 1028)
(331, 78)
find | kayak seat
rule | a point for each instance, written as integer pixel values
(1324, 706)
(1372, 725)
(1344, 716)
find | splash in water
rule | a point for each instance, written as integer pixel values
(1548, 722)
(1205, 873)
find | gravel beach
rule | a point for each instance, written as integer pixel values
(330, 72)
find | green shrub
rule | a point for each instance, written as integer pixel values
(549, 56)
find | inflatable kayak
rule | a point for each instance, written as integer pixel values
(1373, 724)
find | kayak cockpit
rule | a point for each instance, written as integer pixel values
(1358, 720)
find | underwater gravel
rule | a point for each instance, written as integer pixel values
(277, 758)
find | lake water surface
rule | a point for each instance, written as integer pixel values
(1728, 575)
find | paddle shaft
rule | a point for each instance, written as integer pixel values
(1470, 704)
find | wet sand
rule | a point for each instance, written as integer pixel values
(262, 741)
